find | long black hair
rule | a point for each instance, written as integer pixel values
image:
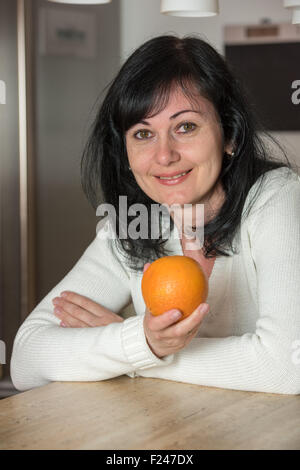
(141, 88)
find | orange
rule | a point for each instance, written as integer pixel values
(174, 282)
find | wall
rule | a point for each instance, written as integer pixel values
(142, 20)
(66, 92)
(67, 89)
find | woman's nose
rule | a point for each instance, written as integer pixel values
(166, 151)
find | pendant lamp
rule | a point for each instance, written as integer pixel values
(193, 8)
(81, 2)
(294, 5)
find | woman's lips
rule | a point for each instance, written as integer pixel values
(173, 181)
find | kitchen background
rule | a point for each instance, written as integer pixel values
(45, 220)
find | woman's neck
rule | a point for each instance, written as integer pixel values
(212, 204)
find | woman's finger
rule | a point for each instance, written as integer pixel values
(83, 302)
(69, 320)
(193, 331)
(191, 323)
(90, 319)
(161, 322)
(77, 312)
(146, 266)
(183, 327)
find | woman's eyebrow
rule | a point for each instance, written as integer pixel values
(185, 111)
(145, 123)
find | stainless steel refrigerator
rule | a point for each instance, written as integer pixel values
(48, 99)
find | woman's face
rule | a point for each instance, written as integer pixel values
(182, 137)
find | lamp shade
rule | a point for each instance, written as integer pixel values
(295, 6)
(81, 2)
(190, 7)
(296, 16)
(291, 3)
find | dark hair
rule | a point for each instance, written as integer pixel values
(142, 88)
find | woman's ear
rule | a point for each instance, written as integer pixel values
(229, 148)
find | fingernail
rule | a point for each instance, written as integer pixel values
(176, 315)
(64, 294)
(146, 266)
(204, 309)
(63, 325)
(58, 311)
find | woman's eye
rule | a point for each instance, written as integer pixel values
(142, 134)
(187, 127)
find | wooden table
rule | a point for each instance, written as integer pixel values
(142, 413)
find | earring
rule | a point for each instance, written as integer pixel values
(129, 168)
(230, 155)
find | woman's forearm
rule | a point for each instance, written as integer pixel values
(44, 353)
(238, 363)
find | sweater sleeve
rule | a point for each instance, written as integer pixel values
(263, 361)
(44, 352)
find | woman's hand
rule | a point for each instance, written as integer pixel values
(77, 311)
(166, 335)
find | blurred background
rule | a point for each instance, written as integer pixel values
(56, 61)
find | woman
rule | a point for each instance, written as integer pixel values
(175, 109)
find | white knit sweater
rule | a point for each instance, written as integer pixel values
(247, 341)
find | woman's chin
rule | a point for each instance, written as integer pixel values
(178, 201)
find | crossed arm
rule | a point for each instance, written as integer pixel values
(165, 334)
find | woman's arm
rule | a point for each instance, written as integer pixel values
(43, 351)
(263, 361)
